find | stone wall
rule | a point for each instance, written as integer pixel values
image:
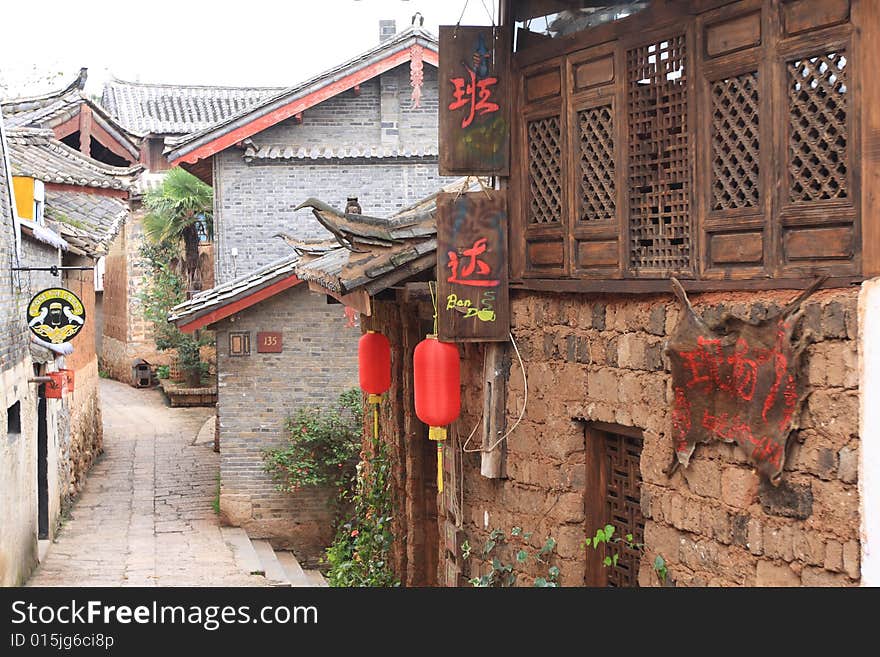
(257, 393)
(601, 359)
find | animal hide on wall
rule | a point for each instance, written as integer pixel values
(737, 381)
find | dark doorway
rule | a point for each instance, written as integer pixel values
(42, 464)
(613, 497)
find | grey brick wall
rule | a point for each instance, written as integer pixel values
(255, 200)
(258, 392)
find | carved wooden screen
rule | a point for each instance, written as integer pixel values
(711, 144)
(659, 176)
(613, 497)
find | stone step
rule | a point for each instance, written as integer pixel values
(316, 578)
(292, 569)
(275, 573)
(243, 551)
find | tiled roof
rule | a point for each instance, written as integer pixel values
(36, 153)
(169, 109)
(231, 291)
(53, 109)
(87, 221)
(310, 152)
(400, 42)
(343, 271)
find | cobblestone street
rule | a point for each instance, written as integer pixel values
(145, 517)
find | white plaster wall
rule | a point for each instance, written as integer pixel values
(869, 429)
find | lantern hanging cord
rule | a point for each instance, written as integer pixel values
(490, 14)
(433, 303)
(522, 411)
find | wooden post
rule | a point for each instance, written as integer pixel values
(496, 372)
(85, 130)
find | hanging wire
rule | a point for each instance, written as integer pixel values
(490, 14)
(458, 24)
(431, 285)
(522, 368)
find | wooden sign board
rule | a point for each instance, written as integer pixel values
(474, 101)
(269, 342)
(472, 294)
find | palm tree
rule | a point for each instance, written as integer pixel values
(174, 209)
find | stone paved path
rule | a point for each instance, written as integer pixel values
(144, 517)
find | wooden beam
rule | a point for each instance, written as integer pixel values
(866, 16)
(67, 128)
(109, 142)
(82, 189)
(297, 106)
(85, 130)
(641, 286)
(496, 374)
(238, 305)
(359, 299)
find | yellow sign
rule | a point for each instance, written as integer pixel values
(56, 315)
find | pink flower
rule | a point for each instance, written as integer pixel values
(354, 532)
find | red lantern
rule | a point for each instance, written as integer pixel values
(374, 363)
(437, 390)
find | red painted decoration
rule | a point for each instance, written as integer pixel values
(437, 382)
(374, 363)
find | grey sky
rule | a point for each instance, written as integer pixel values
(256, 42)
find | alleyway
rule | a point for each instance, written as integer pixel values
(145, 517)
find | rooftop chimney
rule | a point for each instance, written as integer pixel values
(387, 29)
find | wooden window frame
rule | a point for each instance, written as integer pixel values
(724, 253)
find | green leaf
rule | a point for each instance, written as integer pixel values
(629, 538)
(521, 556)
(549, 545)
(614, 559)
(553, 572)
(540, 582)
(606, 561)
(609, 532)
(488, 547)
(659, 562)
(527, 536)
(496, 564)
(599, 537)
(511, 580)
(516, 531)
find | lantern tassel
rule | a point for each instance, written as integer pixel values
(374, 401)
(439, 466)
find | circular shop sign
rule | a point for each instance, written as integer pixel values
(56, 315)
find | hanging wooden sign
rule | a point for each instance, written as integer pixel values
(55, 315)
(472, 295)
(474, 101)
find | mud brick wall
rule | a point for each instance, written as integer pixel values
(601, 359)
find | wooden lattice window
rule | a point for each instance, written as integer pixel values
(545, 170)
(613, 497)
(735, 143)
(817, 141)
(597, 190)
(659, 177)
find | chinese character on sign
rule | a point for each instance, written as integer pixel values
(464, 268)
(474, 90)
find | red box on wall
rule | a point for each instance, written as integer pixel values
(60, 385)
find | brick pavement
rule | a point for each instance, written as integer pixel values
(144, 517)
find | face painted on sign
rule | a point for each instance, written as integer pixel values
(55, 315)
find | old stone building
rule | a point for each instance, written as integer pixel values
(638, 154)
(366, 129)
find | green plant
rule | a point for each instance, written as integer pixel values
(361, 552)
(163, 290)
(104, 374)
(173, 211)
(607, 539)
(500, 574)
(163, 371)
(321, 446)
(215, 503)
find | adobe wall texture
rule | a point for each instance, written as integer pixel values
(257, 393)
(601, 359)
(254, 200)
(127, 335)
(86, 428)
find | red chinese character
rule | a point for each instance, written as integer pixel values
(465, 267)
(475, 93)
